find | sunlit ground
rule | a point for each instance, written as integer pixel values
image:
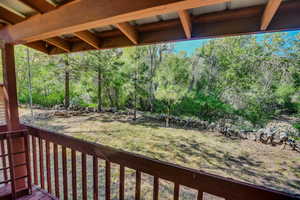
(243, 160)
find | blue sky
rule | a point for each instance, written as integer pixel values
(190, 46)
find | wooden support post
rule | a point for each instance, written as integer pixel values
(10, 88)
(12, 114)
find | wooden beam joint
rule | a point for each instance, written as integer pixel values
(269, 13)
(60, 43)
(186, 22)
(129, 31)
(89, 38)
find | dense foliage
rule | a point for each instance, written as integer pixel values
(247, 76)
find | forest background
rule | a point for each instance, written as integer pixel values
(248, 77)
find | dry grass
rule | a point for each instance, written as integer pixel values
(243, 160)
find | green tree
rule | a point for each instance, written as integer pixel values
(172, 81)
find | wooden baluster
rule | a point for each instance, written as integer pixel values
(84, 178)
(107, 180)
(41, 152)
(155, 188)
(200, 195)
(48, 167)
(65, 172)
(122, 180)
(28, 165)
(4, 160)
(74, 175)
(176, 191)
(34, 160)
(95, 175)
(137, 185)
(56, 173)
(12, 168)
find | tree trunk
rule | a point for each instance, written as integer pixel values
(117, 98)
(193, 73)
(99, 89)
(135, 94)
(29, 83)
(151, 81)
(111, 100)
(151, 95)
(168, 117)
(67, 89)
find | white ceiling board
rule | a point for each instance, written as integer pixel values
(55, 2)
(169, 16)
(209, 9)
(101, 29)
(67, 36)
(234, 4)
(146, 20)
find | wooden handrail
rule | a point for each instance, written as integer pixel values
(12, 134)
(196, 179)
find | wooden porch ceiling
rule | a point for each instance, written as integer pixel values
(70, 26)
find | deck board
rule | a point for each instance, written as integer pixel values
(37, 193)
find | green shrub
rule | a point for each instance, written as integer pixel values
(297, 126)
(54, 98)
(207, 107)
(255, 114)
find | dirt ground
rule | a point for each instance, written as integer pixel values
(243, 160)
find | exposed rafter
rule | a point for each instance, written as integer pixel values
(186, 22)
(269, 13)
(13, 18)
(60, 43)
(10, 16)
(43, 6)
(219, 24)
(97, 14)
(129, 31)
(39, 45)
(89, 38)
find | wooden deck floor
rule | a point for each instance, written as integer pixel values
(37, 194)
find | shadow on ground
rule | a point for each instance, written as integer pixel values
(195, 153)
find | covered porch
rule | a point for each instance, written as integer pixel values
(40, 164)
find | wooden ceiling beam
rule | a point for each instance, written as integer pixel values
(220, 24)
(129, 31)
(89, 38)
(60, 43)
(270, 11)
(39, 45)
(87, 14)
(10, 16)
(43, 6)
(40, 6)
(186, 22)
(13, 18)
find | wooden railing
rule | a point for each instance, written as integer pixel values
(52, 173)
(10, 160)
(2, 106)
